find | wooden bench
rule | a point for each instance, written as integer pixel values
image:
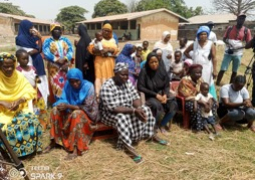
(104, 132)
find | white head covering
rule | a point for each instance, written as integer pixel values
(165, 33)
(139, 45)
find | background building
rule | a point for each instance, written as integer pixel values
(139, 25)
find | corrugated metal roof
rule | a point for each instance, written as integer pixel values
(33, 20)
(134, 15)
(216, 18)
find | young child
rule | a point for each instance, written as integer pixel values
(177, 66)
(145, 50)
(97, 42)
(30, 74)
(186, 64)
(204, 97)
(28, 71)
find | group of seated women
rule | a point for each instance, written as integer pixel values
(116, 103)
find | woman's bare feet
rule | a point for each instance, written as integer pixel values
(50, 147)
(72, 155)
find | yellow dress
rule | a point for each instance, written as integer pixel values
(103, 65)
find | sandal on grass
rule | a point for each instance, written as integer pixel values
(138, 159)
(160, 141)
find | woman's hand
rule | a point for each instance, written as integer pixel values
(85, 66)
(214, 74)
(62, 107)
(140, 114)
(61, 61)
(159, 97)
(75, 42)
(64, 67)
(248, 104)
(7, 105)
(164, 99)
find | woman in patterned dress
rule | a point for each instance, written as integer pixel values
(20, 126)
(72, 115)
(58, 51)
(121, 108)
(188, 88)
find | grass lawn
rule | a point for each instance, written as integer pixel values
(190, 156)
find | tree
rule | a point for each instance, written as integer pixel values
(68, 16)
(234, 6)
(132, 5)
(177, 6)
(109, 7)
(9, 8)
(145, 5)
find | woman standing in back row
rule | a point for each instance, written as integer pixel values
(104, 64)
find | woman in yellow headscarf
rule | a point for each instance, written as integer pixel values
(104, 63)
(20, 126)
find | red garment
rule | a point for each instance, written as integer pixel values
(235, 35)
(71, 129)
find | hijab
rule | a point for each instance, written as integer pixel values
(203, 29)
(13, 88)
(25, 38)
(71, 95)
(125, 56)
(81, 54)
(109, 27)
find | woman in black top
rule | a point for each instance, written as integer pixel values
(83, 59)
(154, 83)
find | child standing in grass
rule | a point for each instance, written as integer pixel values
(145, 50)
(29, 72)
(177, 66)
(205, 99)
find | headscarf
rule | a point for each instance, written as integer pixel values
(109, 27)
(188, 62)
(13, 88)
(125, 57)
(82, 55)
(25, 38)
(120, 66)
(71, 95)
(165, 33)
(53, 25)
(203, 29)
(139, 45)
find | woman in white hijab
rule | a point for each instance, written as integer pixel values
(167, 49)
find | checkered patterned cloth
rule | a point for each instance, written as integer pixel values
(129, 127)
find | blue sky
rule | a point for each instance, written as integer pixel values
(48, 9)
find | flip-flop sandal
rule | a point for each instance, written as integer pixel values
(138, 159)
(163, 142)
(160, 141)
